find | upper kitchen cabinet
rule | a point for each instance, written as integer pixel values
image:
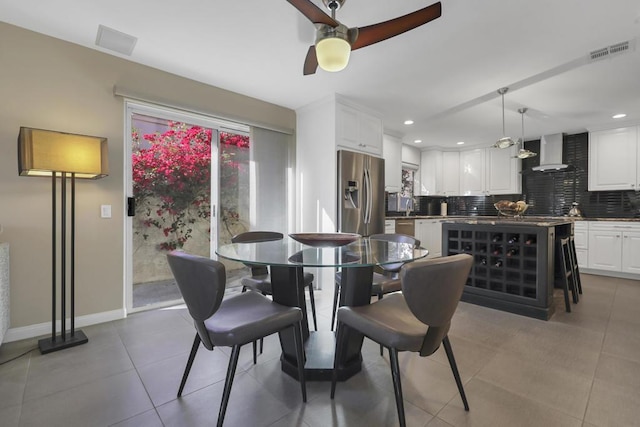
(392, 153)
(358, 130)
(440, 173)
(450, 173)
(430, 173)
(472, 165)
(411, 156)
(323, 127)
(614, 159)
(502, 172)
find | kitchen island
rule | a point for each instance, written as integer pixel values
(515, 264)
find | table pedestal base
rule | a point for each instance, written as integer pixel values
(319, 350)
(355, 290)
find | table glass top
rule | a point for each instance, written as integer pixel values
(287, 252)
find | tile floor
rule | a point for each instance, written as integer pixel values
(578, 369)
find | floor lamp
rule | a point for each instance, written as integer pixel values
(63, 156)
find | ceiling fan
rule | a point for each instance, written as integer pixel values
(335, 41)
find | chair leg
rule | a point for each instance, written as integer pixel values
(255, 352)
(187, 369)
(312, 300)
(381, 346)
(228, 382)
(576, 268)
(297, 333)
(565, 285)
(334, 377)
(336, 293)
(397, 385)
(454, 368)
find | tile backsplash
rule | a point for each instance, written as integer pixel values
(548, 193)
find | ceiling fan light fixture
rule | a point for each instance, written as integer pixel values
(333, 53)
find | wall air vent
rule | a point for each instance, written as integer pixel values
(618, 47)
(599, 54)
(614, 49)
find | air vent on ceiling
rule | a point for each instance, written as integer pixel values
(614, 49)
(115, 40)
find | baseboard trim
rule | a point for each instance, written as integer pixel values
(608, 273)
(32, 331)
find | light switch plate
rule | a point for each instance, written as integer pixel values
(105, 211)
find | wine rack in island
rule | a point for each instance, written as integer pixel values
(513, 267)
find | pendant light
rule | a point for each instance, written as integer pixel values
(505, 141)
(524, 153)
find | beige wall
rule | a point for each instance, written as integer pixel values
(50, 84)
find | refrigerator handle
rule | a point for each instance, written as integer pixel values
(368, 192)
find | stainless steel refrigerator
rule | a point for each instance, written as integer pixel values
(360, 193)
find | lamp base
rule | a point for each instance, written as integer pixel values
(48, 345)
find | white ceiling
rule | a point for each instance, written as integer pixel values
(444, 75)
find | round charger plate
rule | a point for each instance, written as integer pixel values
(325, 239)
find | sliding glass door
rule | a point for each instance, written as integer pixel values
(194, 182)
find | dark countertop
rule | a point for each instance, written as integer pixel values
(518, 222)
(530, 219)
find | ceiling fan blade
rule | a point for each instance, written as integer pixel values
(313, 12)
(310, 62)
(384, 30)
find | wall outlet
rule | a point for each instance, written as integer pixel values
(105, 211)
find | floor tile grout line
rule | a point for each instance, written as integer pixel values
(602, 348)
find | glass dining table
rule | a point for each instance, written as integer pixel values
(286, 259)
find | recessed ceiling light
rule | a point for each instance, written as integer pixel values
(460, 142)
(408, 122)
(417, 141)
(619, 116)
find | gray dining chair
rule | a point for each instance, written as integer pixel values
(385, 282)
(232, 322)
(259, 279)
(416, 320)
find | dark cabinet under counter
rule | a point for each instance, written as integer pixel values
(514, 263)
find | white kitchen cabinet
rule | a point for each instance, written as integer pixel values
(430, 173)
(631, 251)
(429, 232)
(614, 246)
(392, 153)
(472, 172)
(614, 159)
(502, 173)
(411, 156)
(389, 226)
(581, 240)
(605, 250)
(440, 173)
(358, 130)
(450, 173)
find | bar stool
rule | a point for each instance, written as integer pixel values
(576, 269)
(568, 274)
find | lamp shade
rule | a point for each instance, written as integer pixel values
(42, 152)
(333, 53)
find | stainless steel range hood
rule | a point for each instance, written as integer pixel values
(550, 154)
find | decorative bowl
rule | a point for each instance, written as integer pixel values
(319, 240)
(509, 208)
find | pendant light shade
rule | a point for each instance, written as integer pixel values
(505, 141)
(524, 153)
